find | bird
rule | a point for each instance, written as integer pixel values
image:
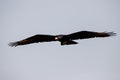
(68, 39)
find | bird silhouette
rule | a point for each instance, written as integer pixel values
(64, 39)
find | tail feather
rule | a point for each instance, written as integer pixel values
(68, 42)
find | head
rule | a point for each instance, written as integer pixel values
(58, 37)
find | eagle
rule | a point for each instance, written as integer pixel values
(63, 39)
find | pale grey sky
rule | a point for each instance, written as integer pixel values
(92, 59)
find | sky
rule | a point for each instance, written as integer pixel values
(91, 59)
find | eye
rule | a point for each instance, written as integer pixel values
(56, 38)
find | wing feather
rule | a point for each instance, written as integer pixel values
(34, 39)
(89, 34)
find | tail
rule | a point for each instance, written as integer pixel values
(68, 42)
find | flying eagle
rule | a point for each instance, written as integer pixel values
(64, 39)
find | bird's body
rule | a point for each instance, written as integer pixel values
(64, 39)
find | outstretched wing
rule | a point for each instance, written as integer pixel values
(89, 34)
(34, 39)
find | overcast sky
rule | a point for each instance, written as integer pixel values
(91, 59)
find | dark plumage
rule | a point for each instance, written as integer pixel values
(64, 39)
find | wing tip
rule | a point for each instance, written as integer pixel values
(111, 34)
(13, 44)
